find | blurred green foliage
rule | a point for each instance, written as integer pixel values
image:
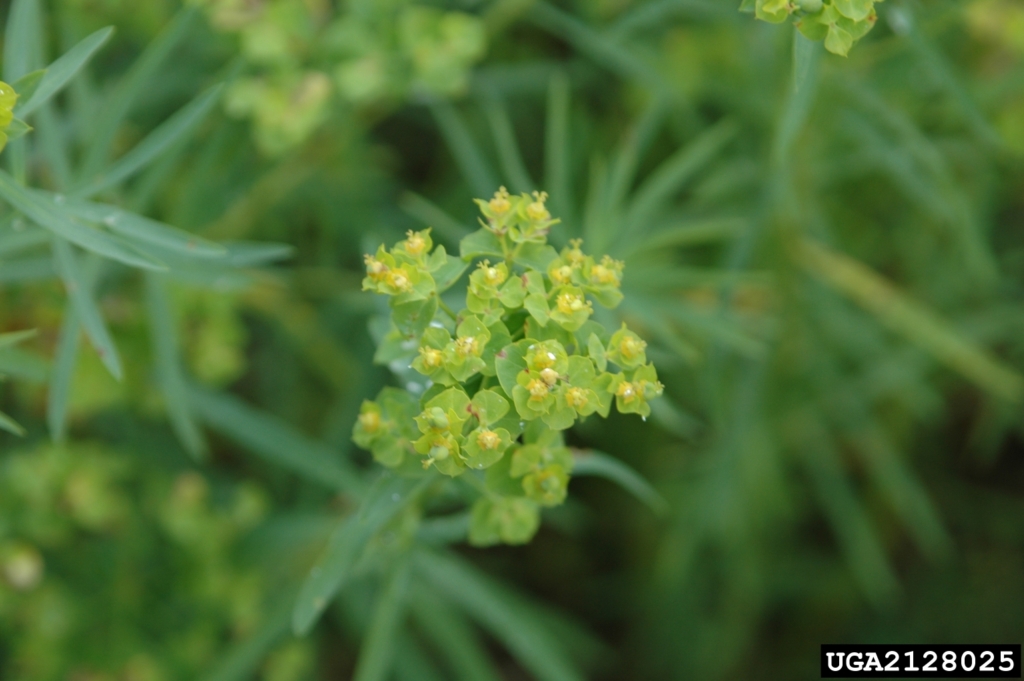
(824, 256)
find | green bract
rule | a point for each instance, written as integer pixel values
(10, 127)
(521, 361)
(840, 23)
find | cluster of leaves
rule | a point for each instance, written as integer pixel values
(527, 323)
(840, 23)
(369, 53)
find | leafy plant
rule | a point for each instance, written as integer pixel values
(840, 23)
(526, 322)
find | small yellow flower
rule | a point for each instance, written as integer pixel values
(370, 421)
(574, 255)
(375, 269)
(432, 357)
(488, 439)
(414, 243)
(467, 346)
(627, 391)
(536, 210)
(549, 376)
(398, 279)
(500, 204)
(570, 302)
(562, 275)
(631, 347)
(493, 276)
(576, 398)
(538, 389)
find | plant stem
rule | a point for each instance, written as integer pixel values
(444, 306)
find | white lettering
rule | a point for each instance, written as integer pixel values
(849, 663)
(829, 662)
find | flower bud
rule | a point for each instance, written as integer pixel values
(549, 376)
(437, 418)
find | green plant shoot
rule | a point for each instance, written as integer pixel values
(840, 23)
(508, 373)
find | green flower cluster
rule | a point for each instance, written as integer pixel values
(521, 363)
(300, 53)
(10, 127)
(840, 23)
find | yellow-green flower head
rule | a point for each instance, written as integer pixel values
(398, 279)
(607, 273)
(569, 302)
(627, 349)
(561, 274)
(493, 275)
(369, 425)
(536, 210)
(416, 244)
(8, 98)
(571, 309)
(633, 392)
(375, 269)
(549, 354)
(487, 439)
(577, 398)
(628, 392)
(432, 358)
(547, 486)
(549, 376)
(468, 346)
(573, 255)
(370, 421)
(500, 204)
(538, 388)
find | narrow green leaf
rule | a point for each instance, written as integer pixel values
(511, 160)
(63, 372)
(182, 123)
(476, 171)
(138, 228)
(63, 70)
(31, 269)
(86, 308)
(668, 178)
(10, 425)
(22, 39)
(805, 54)
(52, 217)
(253, 254)
(274, 440)
(556, 145)
(526, 637)
(448, 632)
(27, 85)
(388, 496)
(105, 122)
(17, 129)
(168, 366)
(14, 241)
(593, 462)
(378, 651)
(908, 317)
(12, 338)
(431, 215)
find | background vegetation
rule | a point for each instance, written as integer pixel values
(825, 255)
